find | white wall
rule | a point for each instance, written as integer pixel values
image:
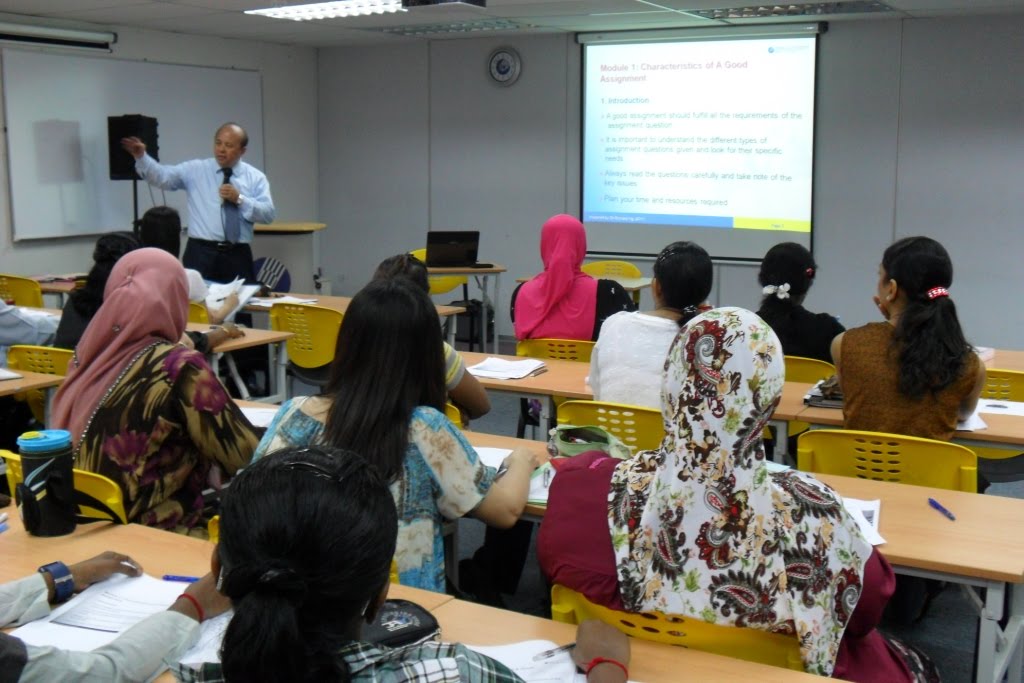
(290, 146)
(918, 131)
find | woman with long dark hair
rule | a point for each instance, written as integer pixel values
(915, 373)
(787, 273)
(385, 398)
(84, 302)
(628, 360)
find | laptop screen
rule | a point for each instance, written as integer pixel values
(452, 248)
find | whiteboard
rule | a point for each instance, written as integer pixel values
(56, 108)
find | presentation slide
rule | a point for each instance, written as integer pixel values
(706, 140)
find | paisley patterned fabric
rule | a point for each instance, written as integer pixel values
(160, 429)
(700, 528)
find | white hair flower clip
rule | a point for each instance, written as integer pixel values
(780, 291)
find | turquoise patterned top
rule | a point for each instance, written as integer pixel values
(442, 479)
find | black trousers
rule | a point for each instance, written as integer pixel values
(219, 263)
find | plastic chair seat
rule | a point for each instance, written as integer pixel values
(752, 645)
(550, 349)
(20, 291)
(311, 349)
(810, 371)
(610, 269)
(888, 457)
(197, 313)
(638, 427)
(47, 360)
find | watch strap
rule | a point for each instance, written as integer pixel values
(63, 582)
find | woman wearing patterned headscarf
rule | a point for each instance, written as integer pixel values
(700, 527)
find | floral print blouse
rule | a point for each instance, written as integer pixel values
(158, 432)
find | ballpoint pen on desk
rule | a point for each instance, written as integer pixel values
(938, 506)
(546, 654)
(181, 579)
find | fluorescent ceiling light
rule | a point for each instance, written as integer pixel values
(330, 10)
(453, 27)
(56, 35)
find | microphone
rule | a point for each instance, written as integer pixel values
(227, 178)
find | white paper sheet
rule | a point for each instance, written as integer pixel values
(98, 614)
(776, 466)
(540, 484)
(492, 457)
(216, 293)
(207, 648)
(991, 405)
(499, 368)
(973, 423)
(866, 514)
(520, 658)
(259, 417)
(8, 374)
(270, 301)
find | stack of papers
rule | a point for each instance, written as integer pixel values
(67, 277)
(216, 293)
(866, 513)
(814, 398)
(499, 368)
(271, 300)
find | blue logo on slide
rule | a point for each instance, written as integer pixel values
(771, 50)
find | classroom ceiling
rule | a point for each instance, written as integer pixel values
(225, 17)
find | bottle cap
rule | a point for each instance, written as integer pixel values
(44, 441)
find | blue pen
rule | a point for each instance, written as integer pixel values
(3, 527)
(182, 579)
(938, 506)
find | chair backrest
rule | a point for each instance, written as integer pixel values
(315, 328)
(810, 370)
(638, 427)
(888, 457)
(1003, 385)
(452, 412)
(197, 312)
(97, 496)
(440, 284)
(20, 291)
(213, 529)
(556, 349)
(753, 645)
(47, 360)
(609, 269)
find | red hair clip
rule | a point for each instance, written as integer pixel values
(810, 272)
(936, 292)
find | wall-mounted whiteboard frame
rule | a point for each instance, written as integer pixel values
(56, 107)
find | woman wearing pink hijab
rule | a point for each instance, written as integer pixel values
(144, 410)
(563, 302)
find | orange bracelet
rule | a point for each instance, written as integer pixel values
(199, 608)
(605, 660)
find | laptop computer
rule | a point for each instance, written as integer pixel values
(452, 248)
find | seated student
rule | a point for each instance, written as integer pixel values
(385, 398)
(135, 655)
(563, 302)
(306, 542)
(787, 272)
(83, 303)
(463, 388)
(699, 528)
(915, 373)
(629, 357)
(144, 410)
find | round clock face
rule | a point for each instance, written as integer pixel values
(504, 66)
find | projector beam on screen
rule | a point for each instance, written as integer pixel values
(708, 140)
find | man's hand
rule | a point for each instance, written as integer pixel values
(134, 146)
(229, 192)
(101, 568)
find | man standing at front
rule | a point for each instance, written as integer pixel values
(225, 197)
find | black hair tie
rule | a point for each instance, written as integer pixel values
(286, 582)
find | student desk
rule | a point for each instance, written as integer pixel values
(341, 303)
(481, 275)
(473, 624)
(29, 381)
(1004, 359)
(981, 549)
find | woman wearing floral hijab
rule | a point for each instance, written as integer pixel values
(700, 528)
(142, 409)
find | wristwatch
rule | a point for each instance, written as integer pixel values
(63, 582)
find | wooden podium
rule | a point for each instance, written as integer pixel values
(296, 245)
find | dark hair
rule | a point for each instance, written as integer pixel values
(389, 359)
(930, 343)
(230, 124)
(109, 249)
(306, 541)
(160, 227)
(684, 272)
(404, 265)
(787, 263)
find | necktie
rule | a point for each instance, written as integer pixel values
(232, 221)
